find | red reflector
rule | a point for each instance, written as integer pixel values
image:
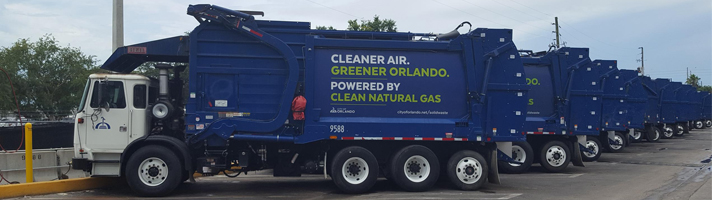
(81, 150)
(489, 139)
(80, 120)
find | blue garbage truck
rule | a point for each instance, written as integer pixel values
(279, 95)
(700, 115)
(685, 115)
(652, 110)
(706, 109)
(637, 100)
(563, 108)
(669, 107)
(613, 118)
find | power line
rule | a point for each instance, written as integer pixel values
(502, 15)
(482, 18)
(530, 8)
(568, 25)
(333, 9)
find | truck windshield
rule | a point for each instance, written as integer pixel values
(84, 97)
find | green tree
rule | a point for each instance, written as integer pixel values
(705, 88)
(48, 78)
(693, 80)
(376, 25)
(331, 28)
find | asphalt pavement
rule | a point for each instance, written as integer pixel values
(676, 168)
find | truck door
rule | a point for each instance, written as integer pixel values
(108, 129)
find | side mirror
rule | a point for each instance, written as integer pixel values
(105, 106)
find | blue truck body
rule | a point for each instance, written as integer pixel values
(652, 110)
(668, 99)
(614, 107)
(382, 91)
(637, 99)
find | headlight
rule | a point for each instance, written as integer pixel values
(160, 110)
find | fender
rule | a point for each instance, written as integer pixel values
(167, 141)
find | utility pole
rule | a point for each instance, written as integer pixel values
(117, 25)
(556, 23)
(642, 61)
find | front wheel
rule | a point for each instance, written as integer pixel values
(555, 156)
(467, 170)
(521, 152)
(668, 132)
(685, 128)
(415, 168)
(153, 171)
(653, 134)
(593, 145)
(616, 144)
(699, 125)
(354, 170)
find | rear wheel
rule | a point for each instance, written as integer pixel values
(521, 152)
(467, 170)
(637, 135)
(554, 156)
(153, 171)
(415, 168)
(653, 134)
(708, 123)
(354, 170)
(668, 131)
(699, 125)
(616, 144)
(594, 146)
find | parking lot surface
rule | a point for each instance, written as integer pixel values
(676, 168)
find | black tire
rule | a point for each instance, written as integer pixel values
(423, 168)
(470, 161)
(653, 134)
(157, 160)
(636, 137)
(355, 157)
(708, 123)
(593, 144)
(685, 127)
(699, 124)
(668, 131)
(555, 163)
(523, 154)
(614, 148)
(679, 129)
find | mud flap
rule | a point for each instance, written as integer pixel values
(611, 137)
(506, 149)
(581, 143)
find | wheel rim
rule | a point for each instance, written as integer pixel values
(416, 168)
(709, 122)
(636, 135)
(593, 146)
(469, 170)
(355, 170)
(518, 154)
(679, 130)
(618, 142)
(668, 132)
(153, 171)
(657, 135)
(555, 156)
(699, 125)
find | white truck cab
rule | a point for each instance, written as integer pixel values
(113, 112)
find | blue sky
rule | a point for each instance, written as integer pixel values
(675, 34)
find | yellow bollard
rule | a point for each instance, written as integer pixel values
(29, 176)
